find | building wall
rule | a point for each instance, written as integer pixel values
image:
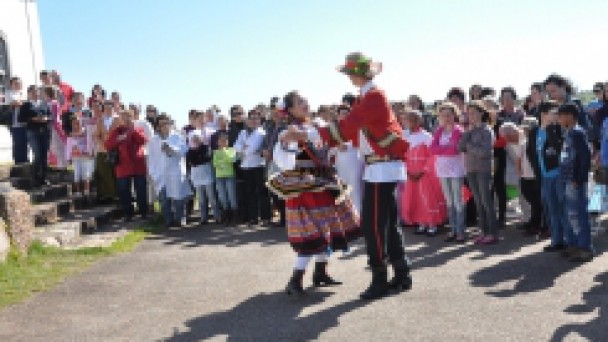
(20, 28)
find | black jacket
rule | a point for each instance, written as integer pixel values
(550, 152)
(28, 111)
(199, 156)
(234, 129)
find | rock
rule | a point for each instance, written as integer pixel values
(51, 242)
(5, 242)
(16, 210)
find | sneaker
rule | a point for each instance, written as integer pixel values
(431, 231)
(556, 248)
(581, 255)
(488, 240)
(420, 230)
(479, 238)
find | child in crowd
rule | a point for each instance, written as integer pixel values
(575, 163)
(477, 143)
(79, 150)
(225, 182)
(422, 201)
(201, 174)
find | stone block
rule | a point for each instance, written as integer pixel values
(5, 242)
(16, 210)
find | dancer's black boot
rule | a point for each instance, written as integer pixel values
(320, 276)
(295, 283)
(379, 286)
(402, 280)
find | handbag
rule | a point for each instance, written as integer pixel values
(112, 157)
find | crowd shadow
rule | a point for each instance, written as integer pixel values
(530, 272)
(266, 317)
(195, 235)
(594, 299)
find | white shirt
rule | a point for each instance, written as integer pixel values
(250, 148)
(107, 121)
(12, 96)
(383, 172)
(527, 171)
(145, 126)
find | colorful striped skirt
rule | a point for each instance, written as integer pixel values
(315, 222)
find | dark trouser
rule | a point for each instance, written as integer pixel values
(141, 193)
(480, 184)
(253, 184)
(379, 224)
(104, 178)
(39, 140)
(530, 189)
(19, 135)
(500, 188)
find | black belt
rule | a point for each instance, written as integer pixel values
(374, 159)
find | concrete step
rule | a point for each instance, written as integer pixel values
(52, 212)
(51, 193)
(5, 172)
(74, 225)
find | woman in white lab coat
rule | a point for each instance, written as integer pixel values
(167, 168)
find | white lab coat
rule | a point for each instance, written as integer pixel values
(168, 171)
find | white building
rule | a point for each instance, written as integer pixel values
(20, 52)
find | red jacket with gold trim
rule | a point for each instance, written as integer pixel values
(373, 115)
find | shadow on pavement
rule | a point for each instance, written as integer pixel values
(233, 236)
(596, 298)
(268, 317)
(534, 272)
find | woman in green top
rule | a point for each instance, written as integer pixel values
(223, 162)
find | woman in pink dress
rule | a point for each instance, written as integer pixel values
(422, 202)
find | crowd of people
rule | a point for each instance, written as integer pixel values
(465, 159)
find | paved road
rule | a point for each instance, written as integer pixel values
(226, 284)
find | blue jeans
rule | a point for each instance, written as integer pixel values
(19, 136)
(206, 193)
(552, 193)
(141, 193)
(226, 191)
(39, 140)
(481, 187)
(173, 209)
(452, 192)
(578, 216)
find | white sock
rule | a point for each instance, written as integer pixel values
(322, 257)
(302, 261)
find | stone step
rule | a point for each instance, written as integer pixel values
(5, 172)
(51, 193)
(74, 225)
(51, 212)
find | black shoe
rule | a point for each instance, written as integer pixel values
(295, 283)
(402, 280)
(320, 276)
(555, 248)
(431, 232)
(420, 231)
(379, 286)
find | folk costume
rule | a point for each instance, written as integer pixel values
(320, 217)
(372, 121)
(422, 201)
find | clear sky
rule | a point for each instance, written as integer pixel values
(184, 54)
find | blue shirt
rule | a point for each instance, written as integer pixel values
(594, 105)
(541, 139)
(604, 144)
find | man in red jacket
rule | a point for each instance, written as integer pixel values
(131, 168)
(373, 123)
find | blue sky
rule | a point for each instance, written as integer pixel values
(184, 54)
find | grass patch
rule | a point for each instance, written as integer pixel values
(44, 267)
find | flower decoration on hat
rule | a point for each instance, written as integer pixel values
(358, 64)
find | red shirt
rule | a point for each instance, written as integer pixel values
(131, 157)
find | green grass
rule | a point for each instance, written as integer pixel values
(43, 267)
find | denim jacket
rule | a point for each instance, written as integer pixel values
(575, 157)
(604, 144)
